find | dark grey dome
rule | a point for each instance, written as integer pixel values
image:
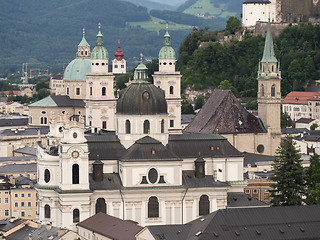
(142, 99)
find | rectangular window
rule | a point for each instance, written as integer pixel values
(122, 66)
(247, 191)
(22, 204)
(67, 91)
(104, 124)
(255, 191)
(78, 91)
(22, 194)
(171, 123)
(23, 214)
(16, 195)
(16, 204)
(29, 213)
(6, 192)
(29, 194)
(0, 200)
(29, 204)
(6, 200)
(115, 66)
(6, 212)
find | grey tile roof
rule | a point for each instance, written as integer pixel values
(26, 150)
(294, 130)
(189, 180)
(17, 159)
(36, 233)
(13, 122)
(187, 118)
(223, 113)
(6, 225)
(148, 149)
(252, 159)
(11, 168)
(208, 145)
(21, 180)
(111, 181)
(25, 132)
(243, 200)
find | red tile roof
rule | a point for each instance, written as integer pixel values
(300, 97)
(112, 227)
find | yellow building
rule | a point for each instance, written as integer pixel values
(5, 198)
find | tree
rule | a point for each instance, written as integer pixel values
(199, 102)
(226, 85)
(313, 180)
(313, 126)
(286, 120)
(233, 25)
(288, 188)
(186, 107)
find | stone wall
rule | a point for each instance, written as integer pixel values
(298, 10)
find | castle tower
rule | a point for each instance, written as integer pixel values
(100, 100)
(169, 80)
(269, 93)
(119, 64)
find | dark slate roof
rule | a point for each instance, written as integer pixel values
(6, 225)
(21, 180)
(187, 118)
(312, 88)
(17, 159)
(66, 101)
(25, 132)
(111, 227)
(243, 200)
(108, 147)
(166, 232)
(223, 113)
(26, 150)
(294, 130)
(148, 149)
(36, 233)
(142, 99)
(264, 174)
(257, 1)
(189, 180)
(111, 181)
(13, 122)
(309, 137)
(305, 120)
(11, 168)
(252, 158)
(208, 145)
(265, 223)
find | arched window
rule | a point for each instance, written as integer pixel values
(153, 207)
(103, 91)
(272, 67)
(273, 90)
(81, 52)
(101, 205)
(44, 120)
(47, 175)
(90, 91)
(262, 90)
(75, 174)
(162, 126)
(128, 127)
(171, 89)
(47, 211)
(146, 127)
(204, 205)
(76, 215)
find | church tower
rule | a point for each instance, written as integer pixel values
(169, 80)
(100, 100)
(269, 93)
(119, 64)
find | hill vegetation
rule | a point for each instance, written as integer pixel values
(211, 63)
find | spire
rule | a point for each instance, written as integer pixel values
(140, 73)
(167, 41)
(83, 42)
(167, 52)
(119, 54)
(99, 51)
(99, 41)
(268, 52)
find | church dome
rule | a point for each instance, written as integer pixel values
(119, 54)
(77, 69)
(142, 98)
(99, 51)
(167, 52)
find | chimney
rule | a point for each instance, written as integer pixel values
(97, 170)
(48, 226)
(200, 167)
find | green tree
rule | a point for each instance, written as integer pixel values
(286, 120)
(186, 107)
(288, 188)
(122, 79)
(198, 102)
(313, 126)
(233, 25)
(313, 180)
(226, 85)
(42, 93)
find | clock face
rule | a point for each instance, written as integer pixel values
(75, 154)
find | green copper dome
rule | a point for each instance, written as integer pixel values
(77, 69)
(167, 52)
(99, 51)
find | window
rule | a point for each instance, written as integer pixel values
(247, 191)
(146, 127)
(153, 207)
(103, 91)
(75, 174)
(43, 120)
(153, 175)
(204, 205)
(171, 123)
(23, 214)
(255, 191)
(171, 89)
(273, 91)
(22, 194)
(16, 204)
(128, 127)
(76, 215)
(29, 194)
(67, 91)
(78, 91)
(262, 90)
(46, 175)
(122, 66)
(6, 212)
(104, 124)
(29, 213)
(6, 200)
(115, 66)
(47, 211)
(16, 195)
(162, 126)
(101, 205)
(90, 91)
(29, 204)
(22, 204)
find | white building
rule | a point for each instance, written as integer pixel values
(258, 10)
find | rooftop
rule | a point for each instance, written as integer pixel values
(300, 98)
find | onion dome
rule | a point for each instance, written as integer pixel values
(167, 52)
(119, 54)
(99, 51)
(141, 97)
(81, 65)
